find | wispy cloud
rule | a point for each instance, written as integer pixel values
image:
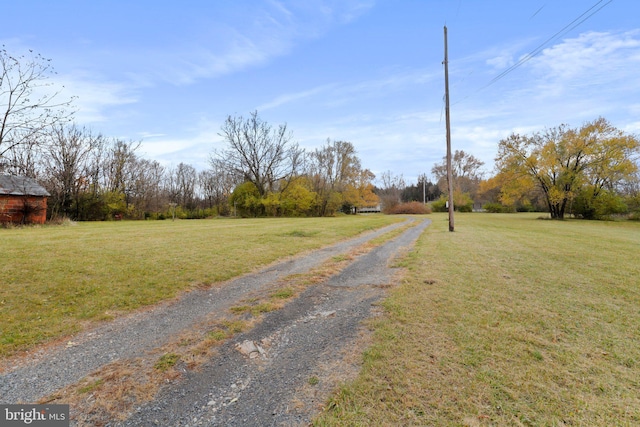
(346, 92)
(263, 33)
(95, 96)
(550, 87)
(602, 64)
(231, 41)
(150, 135)
(592, 57)
(288, 98)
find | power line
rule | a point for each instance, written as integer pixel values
(567, 28)
(579, 20)
(537, 11)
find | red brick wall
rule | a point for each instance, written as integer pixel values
(12, 209)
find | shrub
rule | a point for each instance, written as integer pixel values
(389, 202)
(246, 200)
(525, 208)
(599, 206)
(411, 208)
(497, 208)
(439, 205)
(461, 203)
(468, 207)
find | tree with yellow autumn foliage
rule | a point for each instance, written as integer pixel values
(584, 165)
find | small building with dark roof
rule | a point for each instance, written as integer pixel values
(22, 200)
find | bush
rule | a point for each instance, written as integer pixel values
(411, 208)
(389, 202)
(461, 203)
(439, 205)
(601, 206)
(468, 207)
(525, 208)
(633, 202)
(200, 213)
(497, 208)
(246, 200)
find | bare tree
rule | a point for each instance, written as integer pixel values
(216, 185)
(147, 191)
(391, 191)
(66, 161)
(261, 154)
(120, 168)
(29, 104)
(331, 169)
(466, 171)
(23, 159)
(186, 179)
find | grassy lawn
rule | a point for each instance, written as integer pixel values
(508, 321)
(54, 280)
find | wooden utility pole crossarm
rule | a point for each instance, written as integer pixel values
(448, 122)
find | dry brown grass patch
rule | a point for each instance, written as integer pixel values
(113, 391)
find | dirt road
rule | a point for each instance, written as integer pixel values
(279, 372)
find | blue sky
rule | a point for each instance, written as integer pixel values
(365, 71)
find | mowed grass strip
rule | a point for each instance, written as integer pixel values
(54, 280)
(510, 320)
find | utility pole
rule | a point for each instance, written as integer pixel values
(448, 121)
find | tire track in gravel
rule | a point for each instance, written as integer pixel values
(306, 339)
(43, 371)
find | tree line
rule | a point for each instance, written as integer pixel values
(590, 172)
(262, 171)
(92, 177)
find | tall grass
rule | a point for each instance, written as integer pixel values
(510, 320)
(53, 280)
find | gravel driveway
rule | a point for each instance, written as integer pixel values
(277, 373)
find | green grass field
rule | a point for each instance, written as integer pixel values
(54, 280)
(509, 321)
